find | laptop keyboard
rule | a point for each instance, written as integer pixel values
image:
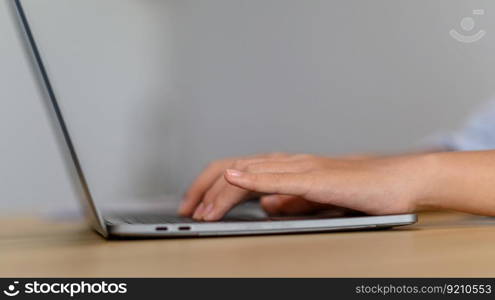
(168, 219)
(162, 219)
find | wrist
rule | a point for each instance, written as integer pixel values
(428, 169)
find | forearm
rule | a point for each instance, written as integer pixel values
(462, 181)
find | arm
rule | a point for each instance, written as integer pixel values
(463, 181)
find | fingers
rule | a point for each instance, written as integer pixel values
(211, 196)
(207, 179)
(213, 172)
(204, 181)
(295, 184)
(287, 166)
(288, 205)
(219, 206)
(293, 206)
(224, 196)
(219, 200)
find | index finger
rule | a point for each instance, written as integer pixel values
(294, 184)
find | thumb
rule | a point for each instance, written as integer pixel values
(294, 184)
(289, 205)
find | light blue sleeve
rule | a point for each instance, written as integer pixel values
(477, 134)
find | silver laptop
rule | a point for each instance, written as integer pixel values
(141, 224)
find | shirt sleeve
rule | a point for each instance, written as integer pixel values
(477, 134)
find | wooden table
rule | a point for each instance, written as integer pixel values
(442, 244)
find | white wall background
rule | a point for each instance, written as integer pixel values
(155, 89)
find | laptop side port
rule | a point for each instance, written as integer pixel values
(162, 228)
(184, 228)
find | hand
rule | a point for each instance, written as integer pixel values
(306, 182)
(207, 185)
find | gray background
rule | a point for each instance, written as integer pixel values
(154, 89)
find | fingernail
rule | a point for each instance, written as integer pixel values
(234, 173)
(199, 211)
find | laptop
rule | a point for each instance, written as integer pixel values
(163, 225)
